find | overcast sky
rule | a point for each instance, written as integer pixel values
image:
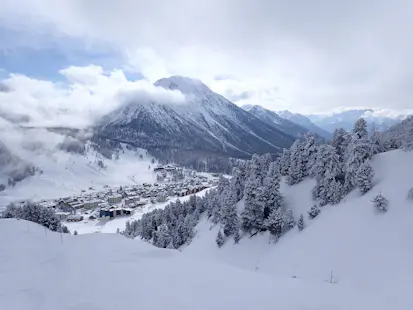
(305, 56)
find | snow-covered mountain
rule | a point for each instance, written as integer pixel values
(305, 122)
(347, 119)
(272, 118)
(204, 122)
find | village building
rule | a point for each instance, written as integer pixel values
(112, 212)
(115, 198)
(90, 204)
(131, 199)
(74, 218)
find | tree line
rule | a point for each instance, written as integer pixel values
(250, 201)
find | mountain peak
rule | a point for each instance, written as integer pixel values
(185, 85)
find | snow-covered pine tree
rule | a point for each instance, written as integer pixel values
(275, 222)
(300, 223)
(365, 176)
(380, 203)
(285, 161)
(237, 183)
(340, 141)
(358, 151)
(289, 219)
(254, 168)
(229, 214)
(327, 171)
(314, 212)
(220, 239)
(252, 217)
(309, 153)
(407, 142)
(376, 143)
(265, 162)
(296, 172)
(216, 208)
(269, 194)
(360, 129)
(163, 238)
(223, 182)
(237, 236)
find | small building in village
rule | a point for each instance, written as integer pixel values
(112, 212)
(74, 218)
(90, 204)
(131, 200)
(115, 198)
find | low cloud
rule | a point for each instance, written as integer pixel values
(30, 106)
(86, 94)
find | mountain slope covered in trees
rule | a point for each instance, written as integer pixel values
(329, 212)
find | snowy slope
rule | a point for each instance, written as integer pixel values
(365, 250)
(205, 121)
(305, 122)
(65, 174)
(275, 120)
(39, 270)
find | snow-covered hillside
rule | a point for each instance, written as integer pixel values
(305, 122)
(44, 270)
(64, 174)
(205, 122)
(273, 119)
(366, 250)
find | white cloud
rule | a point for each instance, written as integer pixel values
(298, 55)
(87, 94)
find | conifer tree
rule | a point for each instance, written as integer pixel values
(296, 172)
(285, 162)
(289, 219)
(365, 176)
(340, 141)
(314, 212)
(237, 236)
(252, 217)
(220, 239)
(309, 153)
(301, 223)
(229, 215)
(275, 222)
(360, 128)
(380, 203)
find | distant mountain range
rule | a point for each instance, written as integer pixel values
(206, 122)
(347, 119)
(273, 119)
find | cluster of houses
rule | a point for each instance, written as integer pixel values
(124, 200)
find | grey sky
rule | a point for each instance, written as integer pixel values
(306, 56)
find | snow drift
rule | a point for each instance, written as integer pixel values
(41, 270)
